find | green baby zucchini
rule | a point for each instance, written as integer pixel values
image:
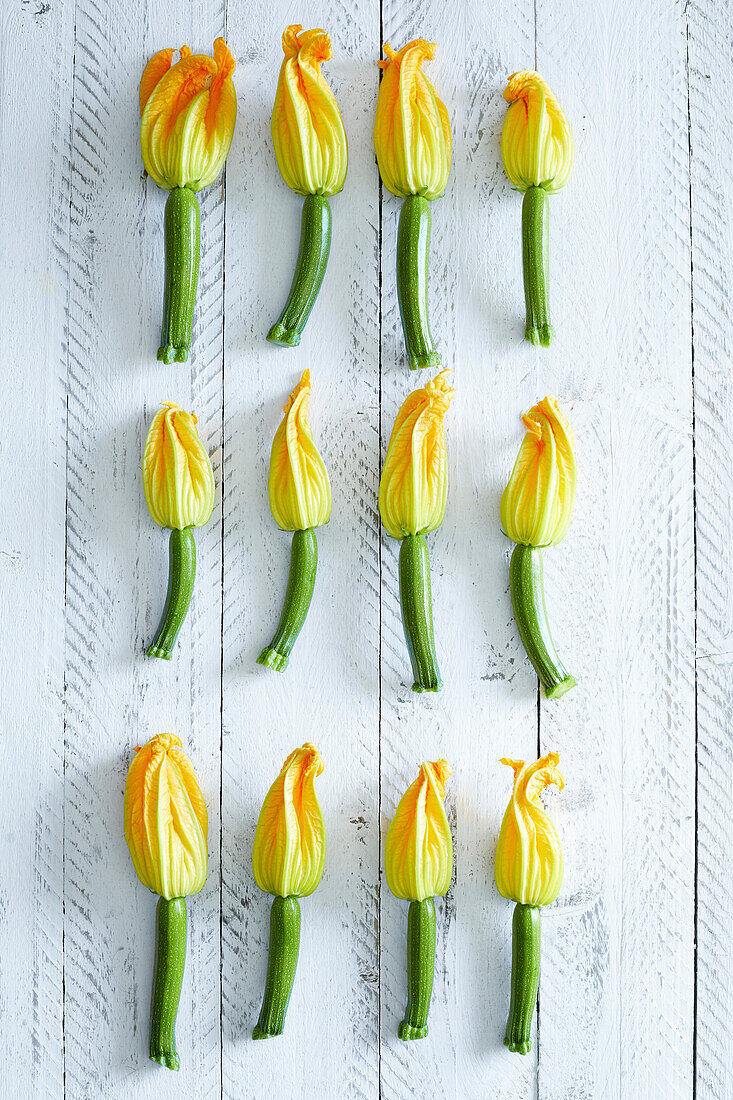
(420, 968)
(528, 600)
(301, 581)
(310, 267)
(413, 252)
(182, 257)
(525, 977)
(170, 960)
(282, 961)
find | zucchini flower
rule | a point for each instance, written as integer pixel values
(300, 501)
(288, 861)
(188, 111)
(312, 155)
(536, 508)
(412, 498)
(418, 861)
(165, 828)
(528, 871)
(179, 490)
(412, 140)
(537, 150)
(537, 504)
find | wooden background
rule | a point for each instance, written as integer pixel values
(637, 990)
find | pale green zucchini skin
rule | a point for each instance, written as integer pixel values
(417, 612)
(413, 254)
(310, 267)
(526, 582)
(282, 962)
(181, 576)
(170, 961)
(526, 941)
(420, 969)
(301, 582)
(535, 262)
(182, 258)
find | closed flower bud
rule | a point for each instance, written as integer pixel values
(414, 484)
(290, 841)
(188, 114)
(412, 137)
(536, 140)
(529, 861)
(307, 129)
(418, 851)
(165, 819)
(537, 504)
(177, 474)
(299, 489)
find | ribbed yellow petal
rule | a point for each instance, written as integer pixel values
(188, 116)
(177, 474)
(418, 851)
(307, 128)
(537, 504)
(300, 492)
(536, 140)
(290, 841)
(412, 135)
(414, 484)
(529, 860)
(166, 822)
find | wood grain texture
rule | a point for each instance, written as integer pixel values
(642, 229)
(616, 995)
(35, 52)
(710, 40)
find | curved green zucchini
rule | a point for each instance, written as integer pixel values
(535, 261)
(310, 267)
(181, 574)
(282, 961)
(417, 612)
(170, 960)
(420, 969)
(528, 600)
(301, 581)
(413, 253)
(182, 256)
(525, 977)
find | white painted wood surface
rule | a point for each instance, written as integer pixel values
(637, 984)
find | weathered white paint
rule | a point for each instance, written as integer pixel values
(640, 251)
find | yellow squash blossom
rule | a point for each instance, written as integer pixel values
(188, 113)
(299, 488)
(165, 819)
(177, 474)
(414, 484)
(307, 129)
(536, 140)
(412, 135)
(537, 504)
(290, 841)
(529, 860)
(418, 851)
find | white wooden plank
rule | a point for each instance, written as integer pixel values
(714, 1002)
(116, 567)
(488, 705)
(35, 53)
(710, 39)
(329, 693)
(616, 997)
